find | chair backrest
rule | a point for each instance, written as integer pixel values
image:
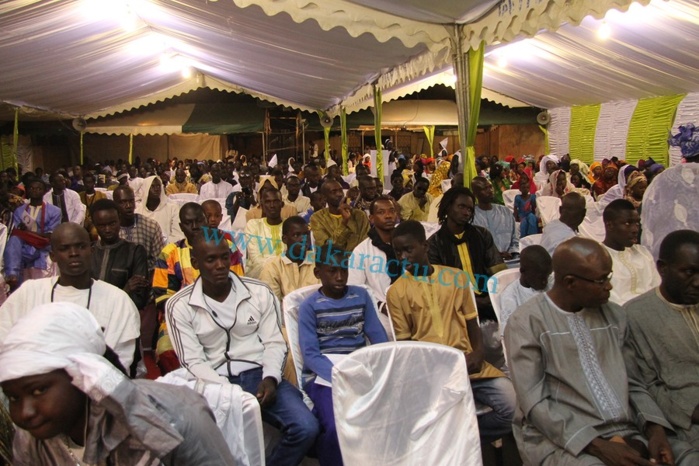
(291, 305)
(529, 240)
(183, 198)
(499, 282)
(509, 197)
(389, 412)
(548, 207)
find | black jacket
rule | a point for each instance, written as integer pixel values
(124, 260)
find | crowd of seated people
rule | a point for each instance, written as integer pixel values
(188, 263)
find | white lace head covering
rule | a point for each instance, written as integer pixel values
(670, 204)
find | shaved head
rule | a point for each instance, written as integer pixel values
(68, 230)
(578, 255)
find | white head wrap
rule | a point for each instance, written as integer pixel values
(45, 338)
(60, 336)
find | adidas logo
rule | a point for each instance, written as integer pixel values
(252, 321)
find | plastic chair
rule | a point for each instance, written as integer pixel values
(529, 241)
(388, 413)
(291, 305)
(509, 197)
(548, 207)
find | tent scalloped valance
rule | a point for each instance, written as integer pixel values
(512, 18)
(189, 85)
(356, 20)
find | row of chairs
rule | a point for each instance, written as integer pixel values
(384, 413)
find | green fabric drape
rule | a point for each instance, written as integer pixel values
(326, 136)
(475, 73)
(15, 140)
(82, 153)
(130, 149)
(429, 134)
(583, 127)
(377, 131)
(547, 145)
(649, 128)
(343, 138)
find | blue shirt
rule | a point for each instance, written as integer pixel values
(336, 326)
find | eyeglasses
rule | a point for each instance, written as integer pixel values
(598, 282)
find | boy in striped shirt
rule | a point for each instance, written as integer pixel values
(335, 320)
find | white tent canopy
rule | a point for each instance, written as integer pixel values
(99, 57)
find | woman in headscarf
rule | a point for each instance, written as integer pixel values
(578, 166)
(71, 405)
(548, 164)
(635, 188)
(500, 183)
(603, 184)
(596, 172)
(653, 171)
(526, 177)
(619, 189)
(558, 185)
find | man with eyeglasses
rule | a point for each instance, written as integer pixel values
(568, 370)
(634, 270)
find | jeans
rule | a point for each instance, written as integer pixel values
(289, 414)
(499, 394)
(327, 446)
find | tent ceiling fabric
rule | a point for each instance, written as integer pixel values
(650, 52)
(319, 54)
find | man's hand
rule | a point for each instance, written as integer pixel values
(506, 255)
(21, 226)
(616, 453)
(422, 201)
(474, 361)
(695, 415)
(658, 446)
(267, 392)
(346, 212)
(137, 282)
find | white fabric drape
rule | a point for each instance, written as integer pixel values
(613, 128)
(559, 131)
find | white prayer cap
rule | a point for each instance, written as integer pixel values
(444, 142)
(330, 163)
(47, 338)
(273, 161)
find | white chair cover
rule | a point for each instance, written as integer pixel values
(500, 281)
(430, 228)
(593, 226)
(529, 240)
(237, 414)
(405, 403)
(182, 198)
(548, 208)
(291, 305)
(509, 197)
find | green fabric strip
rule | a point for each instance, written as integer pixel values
(343, 140)
(475, 73)
(650, 127)
(583, 127)
(377, 131)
